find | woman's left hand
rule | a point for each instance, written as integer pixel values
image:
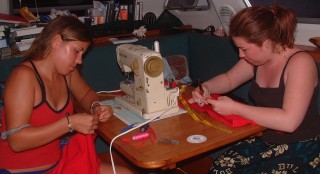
(223, 105)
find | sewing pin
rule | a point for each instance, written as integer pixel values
(201, 104)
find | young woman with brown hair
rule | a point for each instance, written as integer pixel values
(38, 106)
(284, 89)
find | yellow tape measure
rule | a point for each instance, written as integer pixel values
(196, 117)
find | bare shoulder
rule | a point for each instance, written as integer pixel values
(302, 66)
(302, 59)
(21, 73)
(21, 77)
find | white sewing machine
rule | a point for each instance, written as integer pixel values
(146, 95)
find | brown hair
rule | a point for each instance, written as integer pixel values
(257, 24)
(70, 29)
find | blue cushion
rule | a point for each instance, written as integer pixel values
(1, 101)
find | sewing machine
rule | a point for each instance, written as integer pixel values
(146, 95)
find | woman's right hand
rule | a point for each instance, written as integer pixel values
(199, 98)
(84, 123)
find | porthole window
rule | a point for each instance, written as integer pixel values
(194, 5)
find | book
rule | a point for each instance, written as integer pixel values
(2, 28)
(3, 43)
(140, 10)
(12, 19)
(5, 53)
(26, 31)
(21, 38)
(24, 44)
(121, 40)
(123, 12)
(116, 11)
(110, 11)
(136, 10)
(21, 46)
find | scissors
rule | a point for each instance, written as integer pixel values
(201, 104)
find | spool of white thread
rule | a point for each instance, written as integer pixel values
(156, 46)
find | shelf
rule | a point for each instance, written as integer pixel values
(104, 40)
(155, 33)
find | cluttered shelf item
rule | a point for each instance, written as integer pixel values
(152, 33)
(104, 40)
(105, 18)
(102, 26)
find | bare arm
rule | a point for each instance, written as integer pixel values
(226, 82)
(20, 95)
(86, 96)
(240, 73)
(19, 99)
(82, 92)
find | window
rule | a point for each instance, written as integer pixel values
(194, 5)
(307, 11)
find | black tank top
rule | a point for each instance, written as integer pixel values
(273, 97)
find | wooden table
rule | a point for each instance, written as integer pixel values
(166, 156)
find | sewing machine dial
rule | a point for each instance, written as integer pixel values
(153, 66)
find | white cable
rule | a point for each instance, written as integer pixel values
(108, 92)
(139, 125)
(37, 8)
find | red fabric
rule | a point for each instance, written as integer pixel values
(47, 154)
(78, 156)
(229, 120)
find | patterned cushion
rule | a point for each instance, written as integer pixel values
(178, 65)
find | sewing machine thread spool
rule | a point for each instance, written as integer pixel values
(156, 46)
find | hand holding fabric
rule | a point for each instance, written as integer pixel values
(230, 120)
(84, 123)
(223, 105)
(198, 97)
(104, 112)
